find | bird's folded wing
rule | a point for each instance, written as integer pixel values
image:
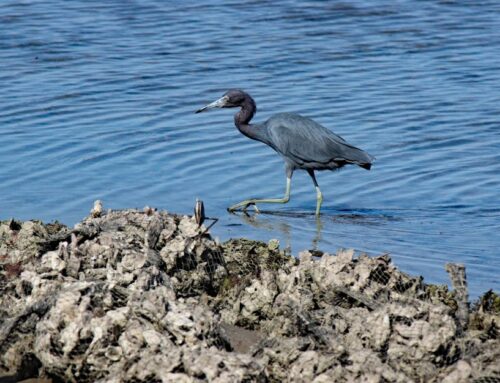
(315, 144)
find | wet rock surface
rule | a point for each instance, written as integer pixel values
(148, 296)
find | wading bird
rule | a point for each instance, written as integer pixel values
(302, 142)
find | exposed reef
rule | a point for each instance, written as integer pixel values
(149, 296)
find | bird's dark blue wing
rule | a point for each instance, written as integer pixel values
(308, 143)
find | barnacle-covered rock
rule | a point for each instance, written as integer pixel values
(144, 295)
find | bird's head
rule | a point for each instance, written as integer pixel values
(231, 99)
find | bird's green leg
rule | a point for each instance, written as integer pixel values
(244, 204)
(319, 196)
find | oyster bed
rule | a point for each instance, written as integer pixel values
(149, 296)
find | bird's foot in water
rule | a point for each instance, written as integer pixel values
(243, 206)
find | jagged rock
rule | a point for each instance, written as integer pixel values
(148, 296)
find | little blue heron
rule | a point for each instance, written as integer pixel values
(302, 142)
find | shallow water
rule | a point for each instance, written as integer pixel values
(97, 102)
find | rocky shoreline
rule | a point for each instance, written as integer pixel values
(149, 296)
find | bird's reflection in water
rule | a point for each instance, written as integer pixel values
(319, 232)
(276, 221)
(317, 238)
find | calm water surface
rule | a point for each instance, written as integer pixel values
(97, 102)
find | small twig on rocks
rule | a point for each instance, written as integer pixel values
(214, 221)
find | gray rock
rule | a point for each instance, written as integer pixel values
(149, 296)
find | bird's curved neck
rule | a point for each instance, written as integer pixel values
(242, 121)
(247, 111)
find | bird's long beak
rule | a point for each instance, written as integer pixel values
(216, 104)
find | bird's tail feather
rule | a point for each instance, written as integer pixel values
(360, 158)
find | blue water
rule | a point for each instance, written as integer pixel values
(97, 102)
